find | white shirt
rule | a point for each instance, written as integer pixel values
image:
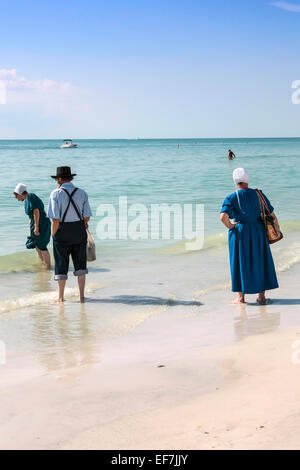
(59, 201)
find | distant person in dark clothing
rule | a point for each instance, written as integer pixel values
(231, 155)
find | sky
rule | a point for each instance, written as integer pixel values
(148, 69)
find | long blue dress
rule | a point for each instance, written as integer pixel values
(251, 262)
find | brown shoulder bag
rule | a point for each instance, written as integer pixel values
(272, 230)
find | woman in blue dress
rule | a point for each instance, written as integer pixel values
(40, 226)
(251, 262)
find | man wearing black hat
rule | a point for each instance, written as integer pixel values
(70, 212)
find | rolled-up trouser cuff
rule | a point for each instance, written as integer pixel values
(60, 277)
(80, 272)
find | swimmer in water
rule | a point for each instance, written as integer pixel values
(231, 155)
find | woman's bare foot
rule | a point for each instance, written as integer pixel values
(60, 301)
(237, 302)
(264, 301)
(261, 299)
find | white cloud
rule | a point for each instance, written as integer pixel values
(286, 6)
(12, 80)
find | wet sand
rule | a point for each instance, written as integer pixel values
(177, 372)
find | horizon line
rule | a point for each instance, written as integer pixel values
(152, 138)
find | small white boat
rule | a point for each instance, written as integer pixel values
(68, 144)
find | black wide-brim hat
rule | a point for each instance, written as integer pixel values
(63, 172)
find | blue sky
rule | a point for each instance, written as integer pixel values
(122, 69)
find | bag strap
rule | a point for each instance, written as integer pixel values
(263, 203)
(73, 203)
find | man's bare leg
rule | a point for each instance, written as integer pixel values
(61, 290)
(261, 299)
(81, 286)
(239, 300)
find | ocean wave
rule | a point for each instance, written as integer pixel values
(287, 257)
(213, 244)
(44, 298)
(219, 240)
(20, 262)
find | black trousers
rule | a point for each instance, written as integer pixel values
(70, 239)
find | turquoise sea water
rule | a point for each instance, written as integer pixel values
(132, 280)
(147, 171)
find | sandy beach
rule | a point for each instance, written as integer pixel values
(185, 371)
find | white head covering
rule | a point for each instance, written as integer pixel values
(240, 175)
(20, 188)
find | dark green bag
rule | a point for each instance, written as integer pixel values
(30, 244)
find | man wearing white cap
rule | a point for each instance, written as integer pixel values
(251, 263)
(40, 226)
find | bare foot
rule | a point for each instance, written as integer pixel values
(60, 301)
(237, 302)
(263, 301)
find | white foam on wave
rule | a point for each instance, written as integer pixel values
(288, 257)
(44, 298)
(285, 256)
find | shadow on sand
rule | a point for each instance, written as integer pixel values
(98, 270)
(286, 301)
(144, 300)
(278, 302)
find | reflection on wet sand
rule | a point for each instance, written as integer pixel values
(42, 281)
(248, 324)
(64, 340)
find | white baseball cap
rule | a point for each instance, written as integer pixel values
(240, 175)
(20, 188)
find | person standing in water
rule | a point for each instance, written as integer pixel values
(40, 227)
(251, 262)
(70, 212)
(231, 155)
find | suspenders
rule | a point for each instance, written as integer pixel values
(73, 203)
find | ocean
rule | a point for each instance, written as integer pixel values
(148, 172)
(162, 171)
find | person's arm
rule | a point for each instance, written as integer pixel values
(53, 212)
(224, 217)
(55, 225)
(86, 211)
(36, 216)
